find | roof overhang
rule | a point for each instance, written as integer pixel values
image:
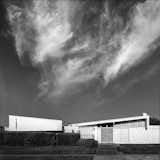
(93, 123)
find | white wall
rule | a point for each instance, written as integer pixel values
(138, 135)
(121, 135)
(151, 135)
(87, 132)
(132, 135)
(21, 123)
(71, 129)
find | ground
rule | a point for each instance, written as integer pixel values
(103, 152)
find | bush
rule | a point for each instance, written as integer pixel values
(67, 138)
(53, 140)
(87, 143)
(13, 139)
(26, 138)
(38, 139)
(1, 138)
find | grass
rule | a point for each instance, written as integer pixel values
(81, 157)
(139, 148)
(47, 157)
(100, 150)
(103, 152)
(128, 157)
(47, 150)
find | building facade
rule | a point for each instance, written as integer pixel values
(22, 123)
(131, 130)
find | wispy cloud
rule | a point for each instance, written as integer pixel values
(72, 45)
(138, 44)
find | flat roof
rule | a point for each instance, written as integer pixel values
(92, 123)
(33, 117)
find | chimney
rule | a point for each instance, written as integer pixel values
(144, 114)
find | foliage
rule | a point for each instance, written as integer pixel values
(87, 143)
(37, 138)
(67, 138)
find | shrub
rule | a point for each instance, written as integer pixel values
(87, 143)
(38, 139)
(1, 138)
(26, 138)
(67, 138)
(53, 140)
(13, 139)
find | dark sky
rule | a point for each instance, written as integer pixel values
(123, 97)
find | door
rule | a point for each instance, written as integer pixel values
(106, 135)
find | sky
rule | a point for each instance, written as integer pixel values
(79, 60)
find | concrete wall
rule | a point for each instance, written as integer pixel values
(138, 135)
(20, 123)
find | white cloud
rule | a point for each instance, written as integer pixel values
(43, 29)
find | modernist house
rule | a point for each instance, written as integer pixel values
(131, 130)
(21, 123)
(142, 129)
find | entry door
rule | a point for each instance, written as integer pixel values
(106, 135)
